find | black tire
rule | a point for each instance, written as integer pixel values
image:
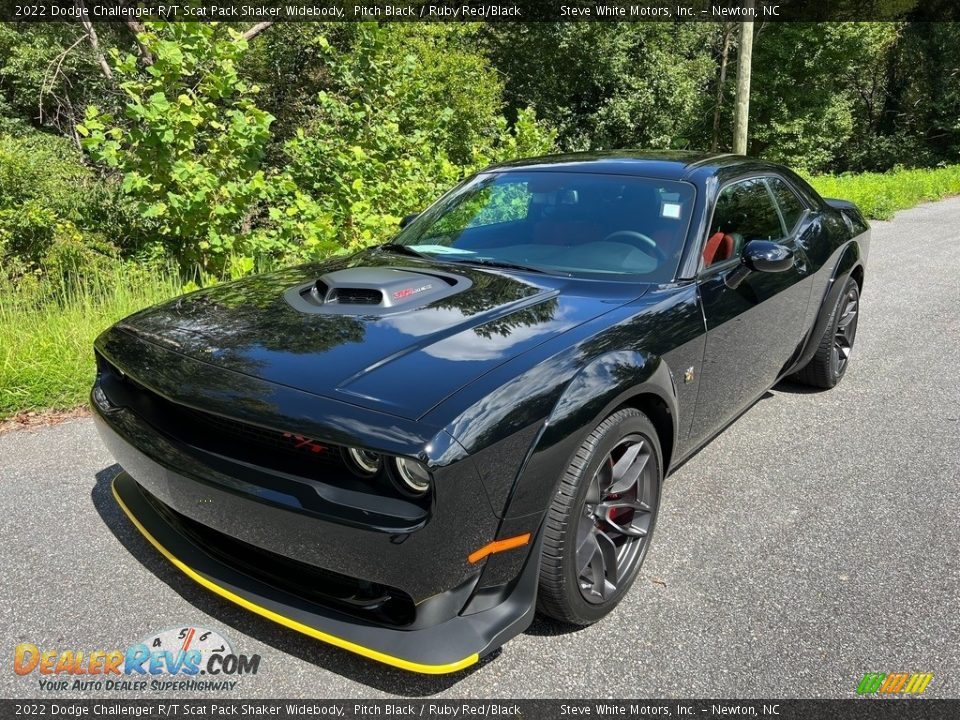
(828, 366)
(624, 443)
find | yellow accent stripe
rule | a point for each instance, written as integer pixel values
(293, 624)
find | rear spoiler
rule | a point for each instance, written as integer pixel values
(850, 212)
(841, 205)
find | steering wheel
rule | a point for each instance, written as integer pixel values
(638, 238)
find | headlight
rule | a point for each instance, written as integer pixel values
(413, 475)
(362, 462)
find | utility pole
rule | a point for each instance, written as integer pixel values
(744, 57)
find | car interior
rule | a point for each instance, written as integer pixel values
(592, 223)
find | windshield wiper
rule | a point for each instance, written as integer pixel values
(400, 249)
(489, 262)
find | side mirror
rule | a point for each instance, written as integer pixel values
(760, 256)
(407, 219)
(767, 256)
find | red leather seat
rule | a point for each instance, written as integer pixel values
(719, 247)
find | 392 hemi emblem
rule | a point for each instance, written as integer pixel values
(407, 292)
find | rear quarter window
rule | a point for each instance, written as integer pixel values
(790, 205)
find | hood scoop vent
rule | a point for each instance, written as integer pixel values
(357, 296)
(374, 291)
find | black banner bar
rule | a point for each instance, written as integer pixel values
(479, 11)
(855, 708)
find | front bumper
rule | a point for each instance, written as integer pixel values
(453, 628)
(444, 648)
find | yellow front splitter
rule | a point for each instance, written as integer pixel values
(281, 607)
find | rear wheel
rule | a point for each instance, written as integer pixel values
(829, 364)
(601, 520)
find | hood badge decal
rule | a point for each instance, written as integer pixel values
(407, 292)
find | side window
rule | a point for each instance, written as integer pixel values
(790, 205)
(744, 212)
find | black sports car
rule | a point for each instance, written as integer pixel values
(407, 451)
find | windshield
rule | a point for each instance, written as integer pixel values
(557, 222)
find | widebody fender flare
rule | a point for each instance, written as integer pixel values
(851, 258)
(606, 383)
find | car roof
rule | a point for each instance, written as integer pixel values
(664, 164)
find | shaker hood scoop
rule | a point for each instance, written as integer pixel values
(392, 335)
(374, 290)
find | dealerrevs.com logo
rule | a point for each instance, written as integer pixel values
(185, 659)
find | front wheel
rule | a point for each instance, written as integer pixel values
(601, 520)
(828, 366)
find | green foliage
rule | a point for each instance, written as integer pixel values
(53, 209)
(373, 151)
(814, 81)
(190, 143)
(606, 85)
(48, 75)
(919, 111)
(880, 195)
(46, 336)
(377, 143)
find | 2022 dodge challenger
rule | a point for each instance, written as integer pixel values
(407, 451)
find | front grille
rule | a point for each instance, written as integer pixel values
(358, 598)
(241, 434)
(308, 460)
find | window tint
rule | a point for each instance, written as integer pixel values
(789, 203)
(746, 209)
(744, 212)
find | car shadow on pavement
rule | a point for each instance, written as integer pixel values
(349, 666)
(795, 388)
(545, 627)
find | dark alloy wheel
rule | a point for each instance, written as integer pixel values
(846, 330)
(830, 362)
(615, 520)
(601, 520)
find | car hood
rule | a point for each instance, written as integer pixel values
(403, 359)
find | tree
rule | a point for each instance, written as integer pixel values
(607, 85)
(808, 79)
(408, 112)
(190, 144)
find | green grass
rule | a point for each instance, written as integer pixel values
(880, 195)
(46, 346)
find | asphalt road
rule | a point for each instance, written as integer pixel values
(815, 540)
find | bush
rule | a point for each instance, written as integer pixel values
(373, 152)
(190, 145)
(880, 195)
(53, 209)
